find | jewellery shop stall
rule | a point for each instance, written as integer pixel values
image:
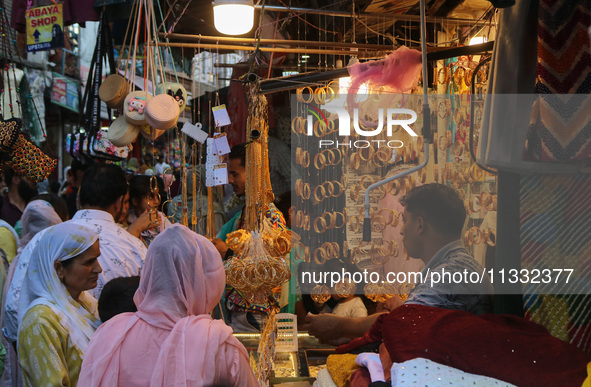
(331, 182)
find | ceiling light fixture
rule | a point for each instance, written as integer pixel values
(233, 17)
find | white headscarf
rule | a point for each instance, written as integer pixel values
(37, 216)
(43, 287)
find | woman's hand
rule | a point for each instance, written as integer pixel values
(143, 223)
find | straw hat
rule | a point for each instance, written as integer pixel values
(162, 112)
(113, 90)
(122, 133)
(134, 107)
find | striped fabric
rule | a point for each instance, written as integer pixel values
(560, 127)
(555, 224)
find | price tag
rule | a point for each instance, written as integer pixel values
(220, 116)
(220, 174)
(195, 132)
(210, 162)
(221, 144)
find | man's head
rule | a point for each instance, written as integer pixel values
(26, 189)
(103, 187)
(237, 169)
(434, 213)
(77, 170)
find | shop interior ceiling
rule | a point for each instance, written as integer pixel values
(380, 25)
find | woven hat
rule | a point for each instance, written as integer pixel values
(122, 133)
(113, 91)
(134, 107)
(162, 112)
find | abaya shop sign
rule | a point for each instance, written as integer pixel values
(45, 28)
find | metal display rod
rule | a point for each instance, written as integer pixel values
(352, 51)
(299, 80)
(282, 42)
(397, 17)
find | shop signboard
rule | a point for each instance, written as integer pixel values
(64, 92)
(45, 27)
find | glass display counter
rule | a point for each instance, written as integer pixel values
(301, 366)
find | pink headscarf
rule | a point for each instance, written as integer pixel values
(181, 282)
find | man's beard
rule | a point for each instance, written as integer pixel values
(26, 192)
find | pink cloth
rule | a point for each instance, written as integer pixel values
(398, 72)
(171, 340)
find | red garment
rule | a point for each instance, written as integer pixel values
(75, 11)
(505, 347)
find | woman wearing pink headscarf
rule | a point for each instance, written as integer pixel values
(171, 340)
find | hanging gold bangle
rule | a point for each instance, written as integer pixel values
(370, 153)
(310, 94)
(329, 158)
(344, 220)
(341, 189)
(354, 223)
(378, 223)
(306, 159)
(322, 255)
(299, 186)
(306, 192)
(306, 223)
(316, 196)
(318, 126)
(390, 215)
(362, 181)
(319, 158)
(316, 225)
(320, 96)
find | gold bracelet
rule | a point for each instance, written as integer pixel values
(354, 223)
(306, 191)
(319, 157)
(306, 159)
(322, 255)
(316, 225)
(316, 198)
(378, 223)
(362, 182)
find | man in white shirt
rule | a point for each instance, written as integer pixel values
(160, 166)
(101, 196)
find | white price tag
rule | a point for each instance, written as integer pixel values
(220, 174)
(221, 144)
(220, 116)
